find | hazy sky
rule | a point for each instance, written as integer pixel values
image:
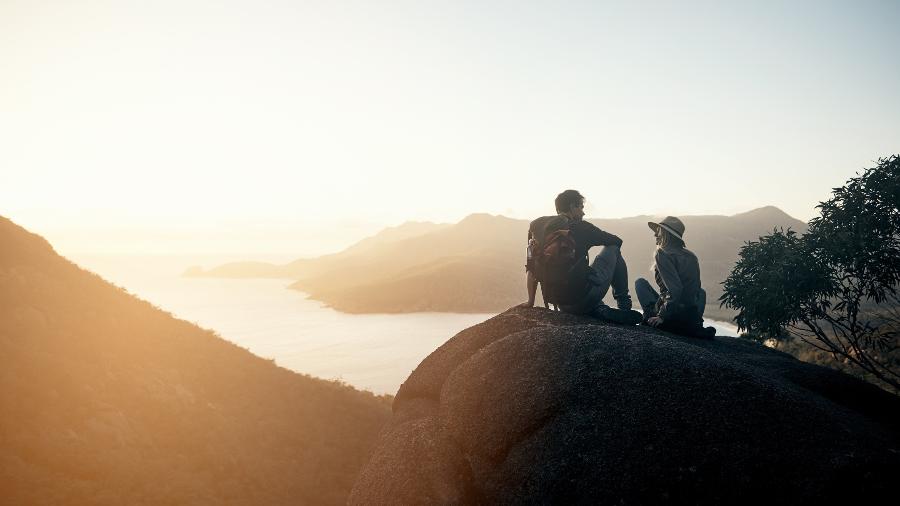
(239, 127)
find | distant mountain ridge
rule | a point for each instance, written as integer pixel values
(109, 400)
(477, 265)
(307, 266)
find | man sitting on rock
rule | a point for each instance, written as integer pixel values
(558, 259)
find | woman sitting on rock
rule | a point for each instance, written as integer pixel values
(679, 305)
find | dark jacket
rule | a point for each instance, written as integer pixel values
(586, 236)
(677, 272)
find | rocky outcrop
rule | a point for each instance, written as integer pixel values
(535, 407)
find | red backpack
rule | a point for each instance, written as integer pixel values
(555, 262)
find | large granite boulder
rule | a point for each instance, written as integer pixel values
(538, 407)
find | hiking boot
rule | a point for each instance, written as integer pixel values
(706, 333)
(623, 316)
(624, 302)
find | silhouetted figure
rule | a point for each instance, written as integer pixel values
(679, 305)
(558, 259)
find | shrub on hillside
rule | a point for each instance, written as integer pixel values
(836, 287)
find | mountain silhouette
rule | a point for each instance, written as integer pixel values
(107, 399)
(477, 265)
(306, 267)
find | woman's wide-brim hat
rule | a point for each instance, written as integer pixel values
(670, 224)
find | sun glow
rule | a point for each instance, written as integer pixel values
(177, 121)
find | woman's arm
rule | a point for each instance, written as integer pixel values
(669, 275)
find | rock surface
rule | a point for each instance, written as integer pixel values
(538, 407)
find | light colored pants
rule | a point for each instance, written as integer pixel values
(609, 270)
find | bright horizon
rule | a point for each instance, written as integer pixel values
(295, 129)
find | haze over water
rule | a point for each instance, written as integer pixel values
(375, 352)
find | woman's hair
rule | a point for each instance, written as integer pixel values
(667, 239)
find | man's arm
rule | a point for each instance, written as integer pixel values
(531, 284)
(597, 237)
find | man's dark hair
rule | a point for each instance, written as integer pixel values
(567, 199)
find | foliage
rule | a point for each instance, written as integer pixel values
(836, 287)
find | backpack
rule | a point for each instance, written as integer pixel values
(556, 265)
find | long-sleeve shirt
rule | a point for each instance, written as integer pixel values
(586, 236)
(677, 273)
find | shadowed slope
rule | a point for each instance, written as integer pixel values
(109, 400)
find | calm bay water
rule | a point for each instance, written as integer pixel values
(374, 352)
